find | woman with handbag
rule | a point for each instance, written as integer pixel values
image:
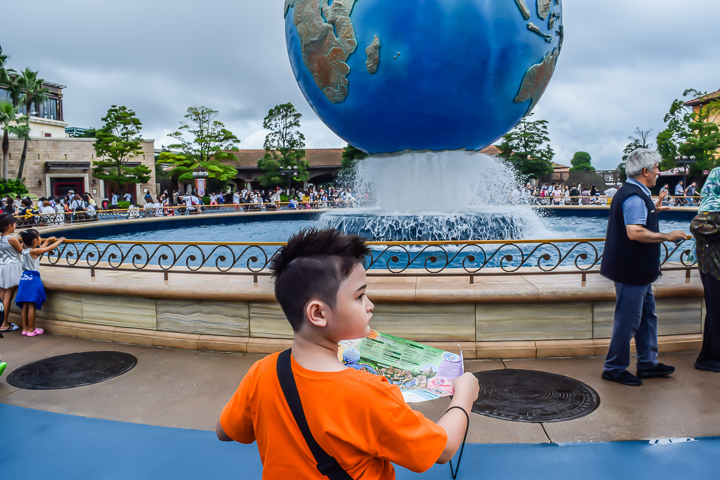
(705, 227)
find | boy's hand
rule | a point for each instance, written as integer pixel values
(466, 388)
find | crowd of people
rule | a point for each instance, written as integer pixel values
(56, 210)
(587, 194)
(51, 210)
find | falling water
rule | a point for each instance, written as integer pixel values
(450, 195)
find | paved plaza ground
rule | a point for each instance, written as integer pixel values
(119, 428)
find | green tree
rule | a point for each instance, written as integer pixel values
(34, 93)
(10, 123)
(4, 73)
(691, 133)
(351, 157)
(581, 161)
(116, 143)
(640, 139)
(203, 143)
(284, 160)
(623, 172)
(527, 148)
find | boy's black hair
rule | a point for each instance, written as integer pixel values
(7, 219)
(28, 236)
(312, 265)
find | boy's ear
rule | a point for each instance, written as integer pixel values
(316, 312)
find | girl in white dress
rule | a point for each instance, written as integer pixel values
(31, 293)
(10, 267)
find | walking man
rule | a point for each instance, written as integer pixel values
(632, 261)
(679, 192)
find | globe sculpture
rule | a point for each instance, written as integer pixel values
(388, 76)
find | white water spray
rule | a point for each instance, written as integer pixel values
(449, 195)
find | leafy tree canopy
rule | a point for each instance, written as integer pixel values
(691, 133)
(11, 123)
(581, 161)
(202, 143)
(284, 160)
(116, 143)
(527, 148)
(33, 93)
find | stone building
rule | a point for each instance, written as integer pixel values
(56, 164)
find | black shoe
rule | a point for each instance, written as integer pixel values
(626, 378)
(659, 370)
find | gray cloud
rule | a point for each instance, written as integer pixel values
(622, 65)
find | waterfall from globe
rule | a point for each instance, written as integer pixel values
(450, 195)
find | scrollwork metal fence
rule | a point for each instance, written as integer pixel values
(453, 258)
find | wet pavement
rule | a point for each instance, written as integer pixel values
(186, 390)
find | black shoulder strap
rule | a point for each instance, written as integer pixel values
(326, 464)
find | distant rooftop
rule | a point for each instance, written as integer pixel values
(704, 99)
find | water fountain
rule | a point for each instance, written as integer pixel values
(451, 195)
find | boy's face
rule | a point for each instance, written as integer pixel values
(353, 310)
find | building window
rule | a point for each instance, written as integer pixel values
(50, 108)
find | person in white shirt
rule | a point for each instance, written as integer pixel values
(149, 209)
(236, 201)
(127, 197)
(48, 213)
(133, 211)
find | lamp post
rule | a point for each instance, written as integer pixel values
(289, 173)
(685, 160)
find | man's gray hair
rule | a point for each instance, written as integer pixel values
(640, 159)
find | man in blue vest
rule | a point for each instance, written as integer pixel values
(632, 260)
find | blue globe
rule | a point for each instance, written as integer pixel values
(435, 75)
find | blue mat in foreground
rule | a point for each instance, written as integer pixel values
(43, 445)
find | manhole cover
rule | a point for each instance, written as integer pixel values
(533, 397)
(73, 370)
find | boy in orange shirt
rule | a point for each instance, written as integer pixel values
(359, 419)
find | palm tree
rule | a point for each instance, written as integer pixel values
(7, 79)
(33, 93)
(10, 120)
(4, 78)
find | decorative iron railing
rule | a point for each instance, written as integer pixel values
(451, 258)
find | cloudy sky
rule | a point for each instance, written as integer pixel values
(623, 63)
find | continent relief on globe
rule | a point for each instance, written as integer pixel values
(538, 76)
(326, 44)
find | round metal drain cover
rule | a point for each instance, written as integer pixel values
(533, 397)
(73, 370)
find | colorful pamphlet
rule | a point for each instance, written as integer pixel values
(423, 373)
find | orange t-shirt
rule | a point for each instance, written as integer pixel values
(356, 417)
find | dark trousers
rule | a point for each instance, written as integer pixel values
(709, 358)
(634, 318)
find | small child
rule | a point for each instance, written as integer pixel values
(3, 365)
(358, 418)
(31, 294)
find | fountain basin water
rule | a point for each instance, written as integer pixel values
(478, 224)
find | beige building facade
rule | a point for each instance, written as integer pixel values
(56, 165)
